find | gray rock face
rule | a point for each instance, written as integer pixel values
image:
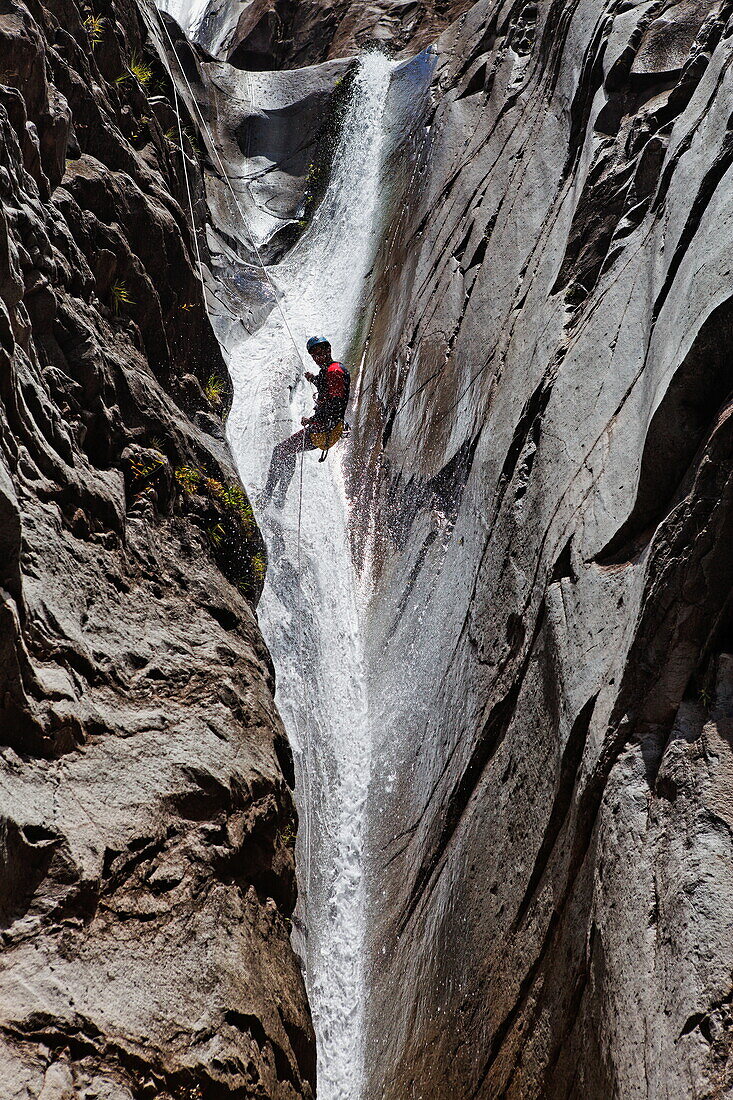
(146, 815)
(544, 446)
(290, 34)
(269, 139)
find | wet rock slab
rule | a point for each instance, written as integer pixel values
(262, 35)
(544, 447)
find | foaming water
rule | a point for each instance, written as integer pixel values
(310, 611)
(187, 13)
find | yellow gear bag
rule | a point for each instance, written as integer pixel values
(323, 440)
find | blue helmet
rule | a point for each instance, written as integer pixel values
(317, 341)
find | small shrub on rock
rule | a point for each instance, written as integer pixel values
(225, 514)
(141, 70)
(214, 391)
(188, 477)
(94, 26)
(121, 297)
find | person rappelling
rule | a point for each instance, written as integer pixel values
(318, 432)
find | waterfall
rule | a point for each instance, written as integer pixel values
(310, 609)
(187, 13)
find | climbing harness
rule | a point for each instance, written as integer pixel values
(323, 440)
(334, 386)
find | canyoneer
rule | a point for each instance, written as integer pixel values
(320, 431)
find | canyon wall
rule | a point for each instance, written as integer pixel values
(147, 822)
(541, 474)
(542, 461)
(291, 34)
(541, 471)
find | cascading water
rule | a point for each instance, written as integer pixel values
(312, 609)
(309, 613)
(187, 13)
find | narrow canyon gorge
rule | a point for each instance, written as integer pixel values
(419, 787)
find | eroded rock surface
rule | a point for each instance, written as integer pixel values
(147, 822)
(290, 34)
(544, 447)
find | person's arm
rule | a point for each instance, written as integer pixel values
(321, 384)
(317, 380)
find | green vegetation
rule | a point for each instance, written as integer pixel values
(287, 835)
(232, 496)
(141, 70)
(214, 390)
(226, 516)
(192, 140)
(121, 296)
(141, 473)
(143, 467)
(173, 136)
(216, 534)
(259, 568)
(188, 477)
(94, 26)
(213, 487)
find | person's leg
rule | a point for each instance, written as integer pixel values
(288, 452)
(282, 465)
(275, 470)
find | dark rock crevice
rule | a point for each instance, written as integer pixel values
(695, 400)
(289, 34)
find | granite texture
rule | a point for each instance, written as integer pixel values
(290, 34)
(146, 814)
(541, 471)
(543, 446)
(541, 474)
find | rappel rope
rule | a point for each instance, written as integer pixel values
(306, 731)
(190, 199)
(306, 736)
(185, 176)
(225, 175)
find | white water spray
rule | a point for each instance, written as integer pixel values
(187, 13)
(310, 610)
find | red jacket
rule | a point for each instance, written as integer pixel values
(333, 384)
